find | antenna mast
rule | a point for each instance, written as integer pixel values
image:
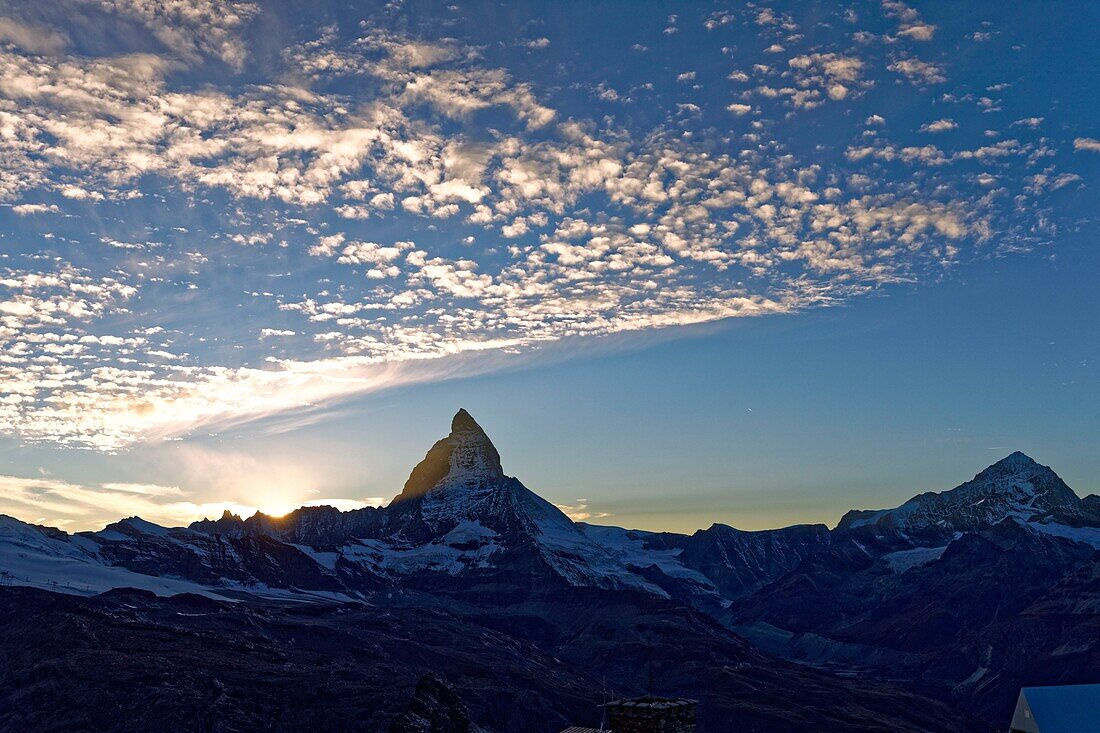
(649, 647)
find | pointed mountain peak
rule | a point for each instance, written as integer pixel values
(136, 526)
(1018, 475)
(1015, 464)
(1016, 461)
(463, 422)
(229, 524)
(464, 457)
(1015, 486)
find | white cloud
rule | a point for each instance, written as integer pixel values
(579, 511)
(73, 506)
(80, 507)
(910, 24)
(941, 125)
(115, 120)
(919, 72)
(918, 31)
(1087, 143)
(811, 79)
(1050, 181)
(28, 209)
(33, 38)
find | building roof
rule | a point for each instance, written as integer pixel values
(1062, 709)
(651, 702)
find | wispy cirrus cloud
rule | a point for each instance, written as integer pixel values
(580, 512)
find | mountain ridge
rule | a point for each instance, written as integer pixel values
(463, 535)
(479, 460)
(459, 513)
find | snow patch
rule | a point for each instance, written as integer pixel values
(973, 678)
(325, 559)
(71, 570)
(469, 545)
(1085, 535)
(903, 560)
(629, 548)
(145, 527)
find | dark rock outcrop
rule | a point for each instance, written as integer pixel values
(435, 707)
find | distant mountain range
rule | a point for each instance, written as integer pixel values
(925, 617)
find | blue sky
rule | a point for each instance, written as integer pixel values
(686, 262)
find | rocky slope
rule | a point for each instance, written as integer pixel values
(131, 661)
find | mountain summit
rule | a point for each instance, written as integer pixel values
(1020, 472)
(1015, 461)
(1015, 486)
(460, 509)
(466, 458)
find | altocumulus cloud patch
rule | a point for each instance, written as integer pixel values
(215, 210)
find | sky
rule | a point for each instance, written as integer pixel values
(686, 262)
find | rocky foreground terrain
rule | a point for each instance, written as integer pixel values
(472, 602)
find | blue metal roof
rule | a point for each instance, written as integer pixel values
(1065, 709)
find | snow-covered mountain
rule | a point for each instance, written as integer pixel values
(460, 515)
(1015, 487)
(457, 515)
(975, 591)
(718, 563)
(133, 553)
(458, 497)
